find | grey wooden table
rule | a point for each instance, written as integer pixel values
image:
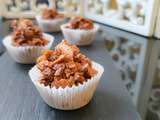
(19, 99)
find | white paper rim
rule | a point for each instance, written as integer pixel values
(50, 25)
(78, 36)
(64, 27)
(67, 98)
(26, 54)
(39, 18)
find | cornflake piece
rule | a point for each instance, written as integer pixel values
(51, 14)
(26, 34)
(65, 66)
(65, 48)
(80, 23)
(22, 23)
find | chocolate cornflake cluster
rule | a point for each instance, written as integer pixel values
(64, 66)
(80, 23)
(26, 34)
(51, 14)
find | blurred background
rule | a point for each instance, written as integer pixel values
(134, 46)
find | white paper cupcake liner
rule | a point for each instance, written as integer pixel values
(67, 98)
(26, 54)
(79, 37)
(50, 25)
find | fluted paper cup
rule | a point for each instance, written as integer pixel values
(50, 25)
(68, 98)
(26, 54)
(79, 37)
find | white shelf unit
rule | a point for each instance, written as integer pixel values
(145, 64)
(146, 30)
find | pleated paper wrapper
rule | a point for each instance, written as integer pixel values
(79, 37)
(50, 25)
(26, 54)
(68, 98)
